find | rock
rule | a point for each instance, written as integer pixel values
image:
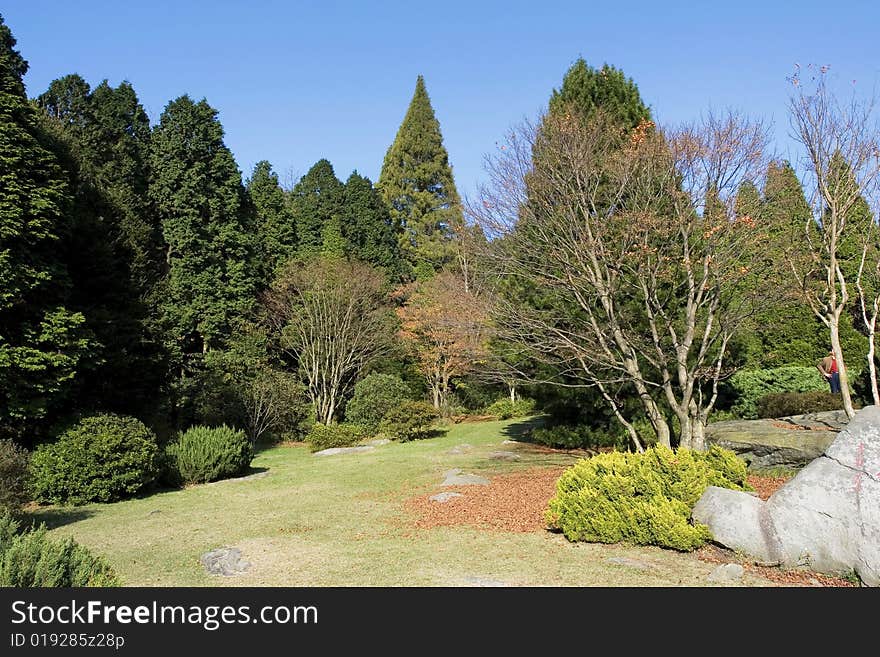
(504, 456)
(379, 442)
(484, 581)
(444, 496)
(344, 450)
(826, 518)
(256, 475)
(727, 573)
(630, 563)
(455, 477)
(464, 448)
(790, 442)
(510, 442)
(224, 561)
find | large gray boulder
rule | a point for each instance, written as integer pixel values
(789, 442)
(826, 518)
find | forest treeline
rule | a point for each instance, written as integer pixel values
(618, 274)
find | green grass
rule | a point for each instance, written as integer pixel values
(339, 521)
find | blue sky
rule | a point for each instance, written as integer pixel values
(298, 81)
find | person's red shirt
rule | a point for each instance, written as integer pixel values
(833, 365)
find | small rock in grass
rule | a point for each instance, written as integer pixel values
(344, 450)
(444, 497)
(455, 477)
(504, 456)
(631, 563)
(460, 449)
(727, 573)
(378, 442)
(225, 561)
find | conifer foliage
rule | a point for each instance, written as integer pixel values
(41, 341)
(417, 183)
(197, 191)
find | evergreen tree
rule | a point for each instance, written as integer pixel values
(314, 201)
(112, 251)
(748, 200)
(41, 341)
(333, 244)
(368, 228)
(586, 89)
(197, 191)
(275, 231)
(417, 183)
(784, 209)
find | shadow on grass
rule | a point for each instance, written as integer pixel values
(57, 516)
(522, 431)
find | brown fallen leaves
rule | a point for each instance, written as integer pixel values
(513, 502)
(516, 501)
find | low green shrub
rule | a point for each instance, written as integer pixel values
(563, 436)
(505, 409)
(411, 420)
(327, 436)
(102, 458)
(32, 559)
(780, 404)
(202, 454)
(13, 476)
(374, 396)
(643, 499)
(749, 386)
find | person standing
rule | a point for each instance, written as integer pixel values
(828, 368)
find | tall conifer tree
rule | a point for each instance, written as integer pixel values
(586, 89)
(41, 341)
(315, 200)
(417, 183)
(368, 227)
(197, 191)
(274, 228)
(112, 253)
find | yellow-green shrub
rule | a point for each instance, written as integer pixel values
(644, 499)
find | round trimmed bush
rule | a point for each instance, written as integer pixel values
(643, 499)
(202, 454)
(374, 397)
(327, 436)
(102, 458)
(13, 476)
(780, 404)
(410, 420)
(504, 409)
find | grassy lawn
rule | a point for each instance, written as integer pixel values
(340, 521)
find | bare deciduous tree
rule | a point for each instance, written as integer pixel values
(333, 319)
(842, 161)
(624, 285)
(272, 399)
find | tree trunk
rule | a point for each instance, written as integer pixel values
(872, 367)
(435, 395)
(841, 366)
(512, 389)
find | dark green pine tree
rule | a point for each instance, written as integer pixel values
(784, 211)
(118, 147)
(748, 200)
(316, 199)
(585, 89)
(42, 342)
(368, 228)
(112, 251)
(197, 191)
(276, 235)
(417, 183)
